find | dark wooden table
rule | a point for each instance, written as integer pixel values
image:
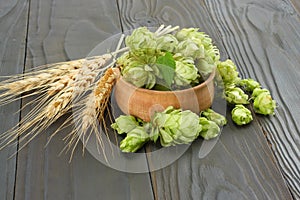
(259, 161)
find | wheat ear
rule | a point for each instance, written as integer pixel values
(92, 108)
(61, 87)
(36, 82)
(90, 113)
(80, 83)
(76, 78)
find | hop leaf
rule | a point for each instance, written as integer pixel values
(236, 96)
(166, 65)
(214, 116)
(263, 102)
(209, 128)
(241, 115)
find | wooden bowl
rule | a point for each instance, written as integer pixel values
(142, 103)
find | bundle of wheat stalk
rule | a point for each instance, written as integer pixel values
(82, 87)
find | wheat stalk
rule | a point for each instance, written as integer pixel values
(90, 113)
(103, 89)
(61, 83)
(74, 86)
(37, 82)
(65, 82)
(88, 73)
(62, 87)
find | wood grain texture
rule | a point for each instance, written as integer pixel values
(241, 166)
(13, 23)
(296, 5)
(263, 39)
(136, 13)
(59, 31)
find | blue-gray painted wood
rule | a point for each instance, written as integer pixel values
(61, 31)
(259, 161)
(13, 29)
(262, 38)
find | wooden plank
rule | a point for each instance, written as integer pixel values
(241, 165)
(262, 37)
(296, 5)
(136, 13)
(13, 23)
(58, 31)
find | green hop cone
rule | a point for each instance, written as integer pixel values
(209, 128)
(236, 95)
(141, 39)
(176, 126)
(258, 91)
(188, 127)
(212, 55)
(188, 48)
(214, 116)
(124, 124)
(134, 140)
(200, 38)
(204, 67)
(185, 71)
(128, 62)
(186, 33)
(140, 76)
(198, 45)
(124, 60)
(167, 42)
(249, 84)
(241, 115)
(207, 64)
(166, 138)
(228, 72)
(263, 102)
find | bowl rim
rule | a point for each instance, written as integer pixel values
(203, 84)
